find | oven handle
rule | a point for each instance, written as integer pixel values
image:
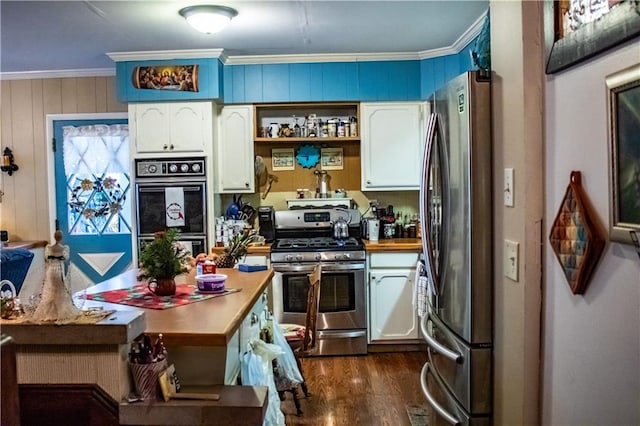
(326, 267)
(156, 188)
(340, 334)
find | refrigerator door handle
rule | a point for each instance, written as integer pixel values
(437, 346)
(424, 189)
(444, 413)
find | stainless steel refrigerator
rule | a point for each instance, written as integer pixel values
(456, 220)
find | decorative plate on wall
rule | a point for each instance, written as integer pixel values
(577, 237)
(308, 156)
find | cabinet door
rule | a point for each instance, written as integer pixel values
(393, 316)
(190, 126)
(170, 127)
(149, 125)
(235, 150)
(392, 141)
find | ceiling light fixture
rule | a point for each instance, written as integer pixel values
(208, 18)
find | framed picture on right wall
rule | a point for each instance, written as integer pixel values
(623, 106)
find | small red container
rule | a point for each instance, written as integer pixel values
(208, 268)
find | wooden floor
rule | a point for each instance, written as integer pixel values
(373, 389)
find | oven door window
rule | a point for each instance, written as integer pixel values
(337, 292)
(152, 210)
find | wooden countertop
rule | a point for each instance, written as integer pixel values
(117, 329)
(28, 245)
(210, 322)
(393, 245)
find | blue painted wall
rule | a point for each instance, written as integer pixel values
(306, 82)
(332, 81)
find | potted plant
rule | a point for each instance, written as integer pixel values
(161, 260)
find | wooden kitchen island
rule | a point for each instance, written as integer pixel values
(205, 341)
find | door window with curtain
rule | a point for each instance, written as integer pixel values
(93, 202)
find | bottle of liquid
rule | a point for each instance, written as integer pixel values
(297, 132)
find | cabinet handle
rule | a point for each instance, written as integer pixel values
(254, 318)
(171, 146)
(165, 147)
(368, 182)
(246, 184)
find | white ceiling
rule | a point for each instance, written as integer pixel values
(77, 35)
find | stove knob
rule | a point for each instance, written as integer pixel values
(173, 168)
(289, 258)
(299, 257)
(152, 168)
(184, 168)
(317, 256)
(196, 168)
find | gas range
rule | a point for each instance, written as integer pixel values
(306, 235)
(304, 238)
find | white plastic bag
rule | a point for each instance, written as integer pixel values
(287, 374)
(257, 370)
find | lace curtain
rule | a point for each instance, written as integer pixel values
(96, 166)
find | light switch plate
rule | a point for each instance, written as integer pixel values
(511, 259)
(508, 187)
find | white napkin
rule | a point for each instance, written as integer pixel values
(174, 206)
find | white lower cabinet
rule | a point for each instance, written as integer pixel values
(392, 315)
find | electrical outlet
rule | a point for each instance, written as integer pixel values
(508, 187)
(511, 259)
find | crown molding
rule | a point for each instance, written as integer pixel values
(472, 32)
(320, 57)
(34, 75)
(165, 55)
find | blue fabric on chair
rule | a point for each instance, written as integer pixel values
(14, 265)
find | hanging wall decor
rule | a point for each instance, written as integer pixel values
(581, 29)
(166, 77)
(577, 237)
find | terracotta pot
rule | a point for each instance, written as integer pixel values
(162, 286)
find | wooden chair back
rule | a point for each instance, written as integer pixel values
(310, 341)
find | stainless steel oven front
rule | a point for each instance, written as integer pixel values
(172, 193)
(342, 322)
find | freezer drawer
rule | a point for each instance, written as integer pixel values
(448, 410)
(466, 371)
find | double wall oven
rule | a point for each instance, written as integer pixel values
(304, 238)
(172, 193)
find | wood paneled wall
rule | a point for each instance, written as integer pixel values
(24, 210)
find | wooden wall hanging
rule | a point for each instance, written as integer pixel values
(577, 237)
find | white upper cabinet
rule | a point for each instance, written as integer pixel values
(392, 141)
(170, 127)
(234, 149)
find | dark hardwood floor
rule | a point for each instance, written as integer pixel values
(374, 389)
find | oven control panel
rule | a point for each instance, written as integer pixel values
(319, 216)
(170, 167)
